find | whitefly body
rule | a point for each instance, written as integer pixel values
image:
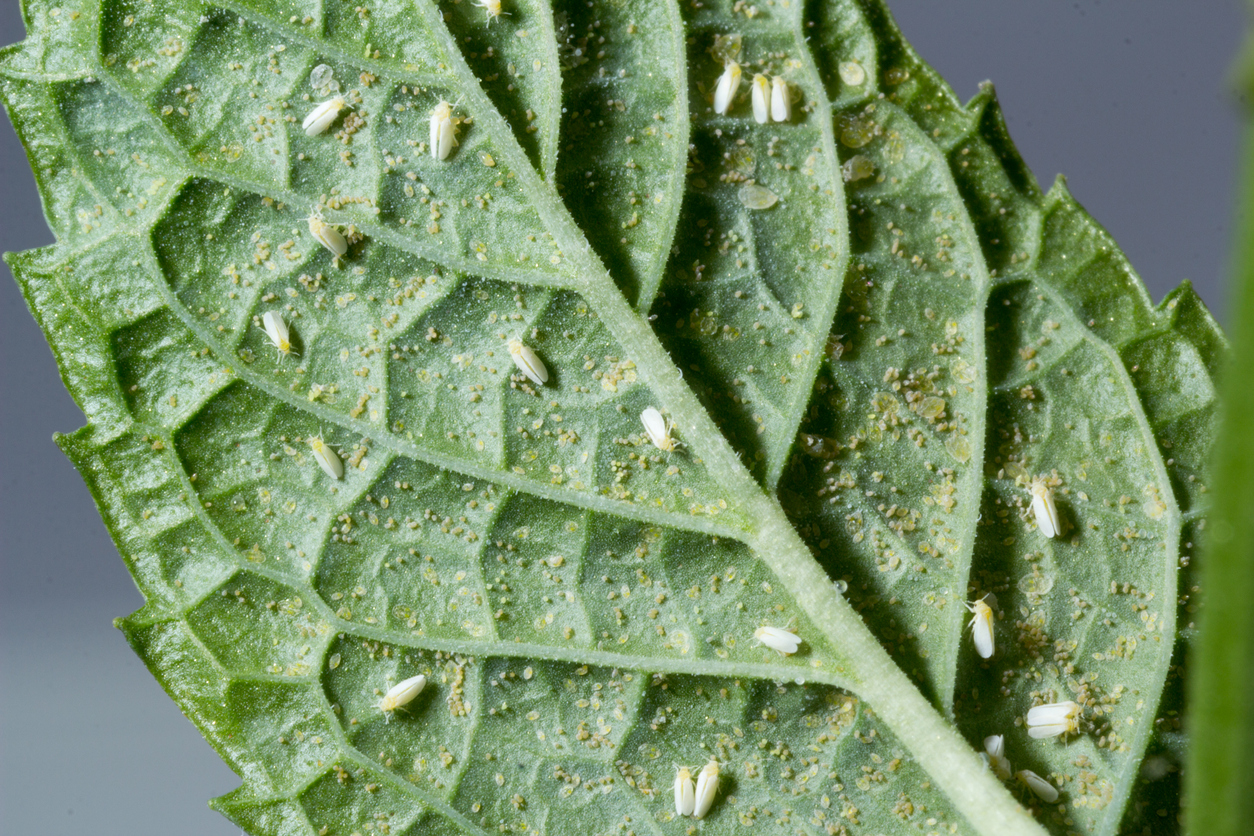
(402, 693)
(725, 89)
(995, 750)
(443, 130)
(321, 117)
(658, 429)
(982, 627)
(760, 96)
(491, 8)
(1043, 789)
(784, 642)
(685, 794)
(1053, 719)
(327, 459)
(781, 103)
(277, 332)
(1044, 510)
(528, 363)
(327, 235)
(707, 788)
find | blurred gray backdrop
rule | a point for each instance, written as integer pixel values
(1129, 98)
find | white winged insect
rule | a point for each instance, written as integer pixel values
(492, 8)
(277, 332)
(443, 130)
(1043, 508)
(327, 459)
(1043, 789)
(781, 104)
(1054, 718)
(685, 799)
(327, 235)
(982, 627)
(725, 90)
(659, 430)
(321, 117)
(707, 788)
(995, 749)
(401, 694)
(528, 363)
(784, 642)
(761, 98)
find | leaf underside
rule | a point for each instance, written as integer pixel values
(858, 373)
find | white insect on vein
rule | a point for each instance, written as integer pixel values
(443, 130)
(761, 98)
(1043, 789)
(725, 90)
(327, 459)
(277, 333)
(982, 626)
(528, 363)
(401, 694)
(784, 642)
(659, 430)
(1043, 508)
(326, 234)
(321, 117)
(707, 788)
(685, 800)
(781, 104)
(1054, 718)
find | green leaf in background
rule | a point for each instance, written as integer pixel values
(1220, 787)
(871, 329)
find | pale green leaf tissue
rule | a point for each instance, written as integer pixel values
(871, 330)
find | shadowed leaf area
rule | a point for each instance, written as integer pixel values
(870, 337)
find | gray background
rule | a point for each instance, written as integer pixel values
(1129, 99)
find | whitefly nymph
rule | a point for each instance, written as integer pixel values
(277, 333)
(1043, 508)
(1043, 789)
(685, 797)
(443, 130)
(725, 89)
(784, 642)
(781, 103)
(760, 96)
(1053, 719)
(327, 459)
(982, 627)
(659, 430)
(321, 117)
(327, 235)
(402, 694)
(707, 788)
(528, 363)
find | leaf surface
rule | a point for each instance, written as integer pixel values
(867, 324)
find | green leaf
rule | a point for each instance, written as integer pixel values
(870, 328)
